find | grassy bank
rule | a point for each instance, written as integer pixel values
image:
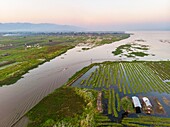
(28, 52)
(34, 58)
(78, 74)
(111, 38)
(66, 106)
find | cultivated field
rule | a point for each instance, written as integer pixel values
(127, 78)
(119, 81)
(107, 89)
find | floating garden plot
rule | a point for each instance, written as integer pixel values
(126, 78)
(119, 81)
(131, 50)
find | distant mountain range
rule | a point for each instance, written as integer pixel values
(42, 27)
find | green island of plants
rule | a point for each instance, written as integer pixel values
(129, 50)
(141, 54)
(126, 104)
(85, 48)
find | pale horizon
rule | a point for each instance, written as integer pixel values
(90, 14)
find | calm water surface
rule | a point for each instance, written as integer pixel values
(18, 98)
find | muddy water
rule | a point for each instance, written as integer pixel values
(18, 98)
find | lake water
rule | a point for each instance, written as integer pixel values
(19, 98)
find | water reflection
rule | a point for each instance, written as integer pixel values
(18, 98)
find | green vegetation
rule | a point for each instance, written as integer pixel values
(102, 120)
(120, 48)
(118, 102)
(160, 68)
(111, 38)
(128, 77)
(126, 104)
(85, 48)
(114, 104)
(72, 106)
(78, 75)
(27, 60)
(129, 50)
(146, 121)
(67, 106)
(5, 63)
(113, 99)
(30, 51)
(110, 103)
(141, 54)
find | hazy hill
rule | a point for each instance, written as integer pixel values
(42, 27)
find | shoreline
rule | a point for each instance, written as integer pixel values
(80, 73)
(15, 77)
(48, 85)
(12, 80)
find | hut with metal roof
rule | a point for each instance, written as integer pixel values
(136, 104)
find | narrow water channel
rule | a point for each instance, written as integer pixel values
(17, 99)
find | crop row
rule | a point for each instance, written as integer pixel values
(162, 69)
(127, 78)
(146, 120)
(113, 103)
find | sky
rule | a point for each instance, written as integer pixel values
(91, 14)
